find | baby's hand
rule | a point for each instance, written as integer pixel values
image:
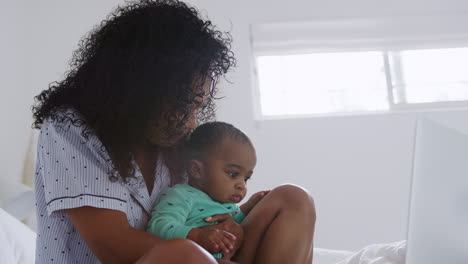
(215, 240)
(256, 197)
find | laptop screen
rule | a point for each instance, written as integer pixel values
(438, 215)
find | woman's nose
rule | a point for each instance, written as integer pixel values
(192, 123)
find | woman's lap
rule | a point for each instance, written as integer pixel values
(176, 251)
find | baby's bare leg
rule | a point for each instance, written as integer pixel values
(279, 229)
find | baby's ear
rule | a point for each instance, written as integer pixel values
(195, 168)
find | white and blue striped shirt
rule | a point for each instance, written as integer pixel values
(72, 172)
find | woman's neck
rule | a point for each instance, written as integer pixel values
(146, 157)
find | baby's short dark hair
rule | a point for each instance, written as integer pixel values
(206, 136)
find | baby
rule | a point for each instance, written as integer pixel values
(219, 161)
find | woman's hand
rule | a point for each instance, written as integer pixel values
(212, 239)
(226, 223)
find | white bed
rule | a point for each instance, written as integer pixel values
(17, 245)
(17, 241)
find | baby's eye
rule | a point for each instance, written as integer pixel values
(246, 179)
(232, 174)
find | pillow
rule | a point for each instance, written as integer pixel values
(17, 199)
(17, 241)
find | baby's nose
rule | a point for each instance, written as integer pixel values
(240, 185)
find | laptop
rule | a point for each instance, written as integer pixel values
(438, 212)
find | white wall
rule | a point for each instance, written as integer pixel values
(14, 107)
(357, 167)
(36, 43)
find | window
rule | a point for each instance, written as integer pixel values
(360, 81)
(424, 76)
(322, 68)
(321, 83)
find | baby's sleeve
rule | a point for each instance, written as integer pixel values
(170, 214)
(238, 215)
(76, 170)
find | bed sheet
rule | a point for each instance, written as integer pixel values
(329, 256)
(17, 241)
(392, 253)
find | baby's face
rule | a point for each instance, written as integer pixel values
(225, 171)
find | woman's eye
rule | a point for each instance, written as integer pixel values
(232, 174)
(246, 179)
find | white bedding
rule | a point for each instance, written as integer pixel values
(393, 253)
(17, 241)
(17, 245)
(329, 256)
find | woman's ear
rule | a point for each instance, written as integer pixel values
(195, 169)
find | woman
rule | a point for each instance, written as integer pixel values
(138, 84)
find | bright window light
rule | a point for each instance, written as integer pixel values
(435, 75)
(322, 83)
(327, 83)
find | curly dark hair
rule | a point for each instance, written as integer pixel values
(143, 65)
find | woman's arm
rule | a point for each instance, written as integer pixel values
(110, 236)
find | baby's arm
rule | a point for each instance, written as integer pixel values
(254, 199)
(169, 215)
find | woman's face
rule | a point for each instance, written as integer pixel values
(168, 131)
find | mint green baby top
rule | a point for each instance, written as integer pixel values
(182, 207)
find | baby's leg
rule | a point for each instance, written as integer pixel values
(279, 229)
